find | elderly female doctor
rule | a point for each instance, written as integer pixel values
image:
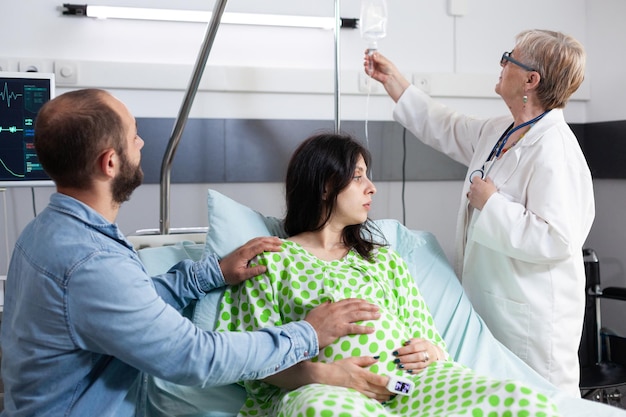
(527, 203)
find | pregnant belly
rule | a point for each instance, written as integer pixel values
(389, 336)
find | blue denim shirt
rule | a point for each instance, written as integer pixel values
(82, 320)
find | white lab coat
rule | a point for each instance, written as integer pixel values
(520, 258)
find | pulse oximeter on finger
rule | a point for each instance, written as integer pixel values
(400, 386)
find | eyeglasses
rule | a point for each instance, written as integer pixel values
(506, 57)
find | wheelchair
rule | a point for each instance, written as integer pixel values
(602, 353)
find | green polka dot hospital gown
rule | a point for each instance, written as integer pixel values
(296, 281)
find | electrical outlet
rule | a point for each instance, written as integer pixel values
(34, 65)
(422, 82)
(367, 84)
(31, 65)
(66, 72)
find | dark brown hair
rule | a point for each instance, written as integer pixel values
(70, 133)
(320, 168)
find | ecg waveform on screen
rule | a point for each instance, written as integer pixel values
(14, 174)
(7, 95)
(11, 129)
(26, 131)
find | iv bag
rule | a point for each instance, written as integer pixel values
(373, 22)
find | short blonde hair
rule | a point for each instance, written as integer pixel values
(559, 59)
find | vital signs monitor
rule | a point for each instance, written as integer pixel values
(21, 96)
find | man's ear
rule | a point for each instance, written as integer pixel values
(107, 163)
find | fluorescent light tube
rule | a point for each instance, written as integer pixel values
(110, 12)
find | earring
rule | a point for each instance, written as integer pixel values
(525, 99)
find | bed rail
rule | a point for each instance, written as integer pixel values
(183, 113)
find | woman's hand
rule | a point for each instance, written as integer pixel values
(417, 354)
(381, 69)
(349, 373)
(480, 191)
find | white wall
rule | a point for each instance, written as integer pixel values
(422, 38)
(605, 63)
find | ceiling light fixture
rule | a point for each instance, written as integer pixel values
(176, 15)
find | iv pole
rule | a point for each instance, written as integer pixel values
(337, 66)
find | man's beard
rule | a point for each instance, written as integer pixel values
(127, 181)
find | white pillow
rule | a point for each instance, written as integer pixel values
(231, 224)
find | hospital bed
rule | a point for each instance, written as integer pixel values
(231, 224)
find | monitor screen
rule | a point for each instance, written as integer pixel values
(21, 96)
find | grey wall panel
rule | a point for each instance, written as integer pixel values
(259, 150)
(199, 157)
(387, 142)
(236, 150)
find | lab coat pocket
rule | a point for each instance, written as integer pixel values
(511, 324)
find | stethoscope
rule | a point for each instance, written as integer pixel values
(497, 148)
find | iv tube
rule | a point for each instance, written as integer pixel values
(373, 22)
(373, 26)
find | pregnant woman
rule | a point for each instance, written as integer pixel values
(334, 253)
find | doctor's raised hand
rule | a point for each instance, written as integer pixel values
(383, 70)
(527, 201)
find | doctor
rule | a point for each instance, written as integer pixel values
(527, 204)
